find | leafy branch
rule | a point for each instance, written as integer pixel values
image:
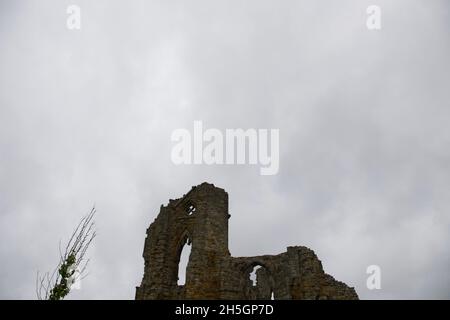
(72, 265)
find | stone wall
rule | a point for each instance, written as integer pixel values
(200, 218)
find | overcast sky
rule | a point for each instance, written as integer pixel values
(86, 118)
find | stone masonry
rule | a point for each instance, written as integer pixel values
(200, 218)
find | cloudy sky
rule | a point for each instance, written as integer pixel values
(86, 118)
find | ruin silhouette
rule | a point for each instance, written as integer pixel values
(200, 218)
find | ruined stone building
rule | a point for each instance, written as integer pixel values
(200, 218)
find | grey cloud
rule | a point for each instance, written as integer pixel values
(86, 117)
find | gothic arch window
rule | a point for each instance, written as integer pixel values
(258, 282)
(183, 257)
(254, 276)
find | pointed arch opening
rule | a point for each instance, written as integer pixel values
(183, 257)
(182, 265)
(258, 283)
